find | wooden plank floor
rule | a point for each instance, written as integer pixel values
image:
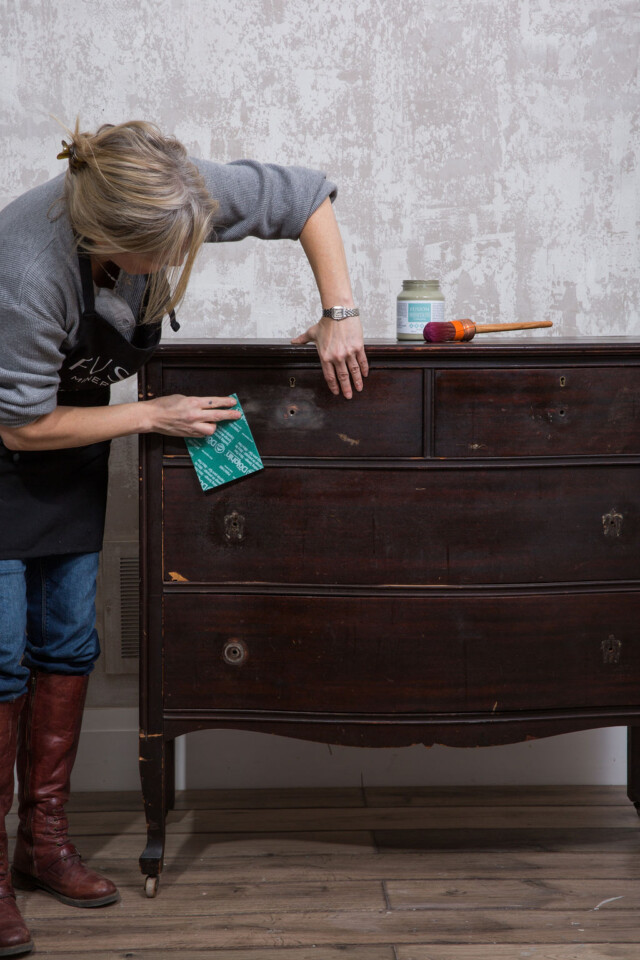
(374, 874)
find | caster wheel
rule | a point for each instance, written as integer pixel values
(151, 886)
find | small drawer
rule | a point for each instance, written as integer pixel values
(386, 655)
(578, 411)
(292, 413)
(417, 525)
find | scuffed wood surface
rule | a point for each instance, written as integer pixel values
(507, 874)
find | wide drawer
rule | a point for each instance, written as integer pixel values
(537, 412)
(385, 655)
(292, 413)
(411, 525)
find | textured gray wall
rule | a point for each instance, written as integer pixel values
(492, 143)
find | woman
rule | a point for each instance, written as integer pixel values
(90, 262)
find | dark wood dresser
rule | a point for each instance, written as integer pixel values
(452, 556)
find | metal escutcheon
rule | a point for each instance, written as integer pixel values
(234, 527)
(235, 652)
(612, 523)
(611, 649)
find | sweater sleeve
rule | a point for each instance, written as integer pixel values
(263, 199)
(32, 333)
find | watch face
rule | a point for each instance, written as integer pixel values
(337, 313)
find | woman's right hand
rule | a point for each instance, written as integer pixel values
(178, 416)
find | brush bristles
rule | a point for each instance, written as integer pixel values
(439, 332)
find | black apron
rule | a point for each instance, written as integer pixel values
(54, 501)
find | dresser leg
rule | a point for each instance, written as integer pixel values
(153, 759)
(633, 766)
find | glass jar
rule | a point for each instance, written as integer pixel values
(419, 302)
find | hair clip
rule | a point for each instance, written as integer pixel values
(69, 153)
(64, 154)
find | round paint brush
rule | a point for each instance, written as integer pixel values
(467, 329)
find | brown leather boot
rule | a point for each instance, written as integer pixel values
(48, 739)
(14, 936)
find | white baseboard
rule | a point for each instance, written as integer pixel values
(108, 760)
(108, 751)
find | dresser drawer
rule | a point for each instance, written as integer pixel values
(399, 655)
(292, 413)
(533, 413)
(415, 525)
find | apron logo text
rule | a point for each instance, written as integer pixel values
(88, 368)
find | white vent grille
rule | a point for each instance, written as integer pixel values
(119, 600)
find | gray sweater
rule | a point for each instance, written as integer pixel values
(40, 290)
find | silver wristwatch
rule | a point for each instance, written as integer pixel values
(341, 313)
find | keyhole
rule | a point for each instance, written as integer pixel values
(563, 381)
(292, 381)
(611, 649)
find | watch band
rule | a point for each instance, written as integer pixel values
(341, 313)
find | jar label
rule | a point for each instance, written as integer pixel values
(414, 314)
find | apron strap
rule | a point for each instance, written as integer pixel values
(86, 278)
(89, 303)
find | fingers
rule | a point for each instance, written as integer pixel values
(341, 372)
(356, 372)
(208, 411)
(330, 377)
(303, 338)
(344, 379)
(358, 368)
(309, 336)
(201, 430)
(363, 363)
(339, 375)
(341, 349)
(217, 408)
(203, 420)
(192, 416)
(217, 401)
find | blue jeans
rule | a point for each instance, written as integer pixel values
(47, 618)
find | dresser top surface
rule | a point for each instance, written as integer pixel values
(483, 346)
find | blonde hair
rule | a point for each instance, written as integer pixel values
(129, 189)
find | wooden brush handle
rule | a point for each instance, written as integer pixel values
(490, 327)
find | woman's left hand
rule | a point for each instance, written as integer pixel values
(340, 346)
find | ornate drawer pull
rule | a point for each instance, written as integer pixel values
(235, 652)
(612, 523)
